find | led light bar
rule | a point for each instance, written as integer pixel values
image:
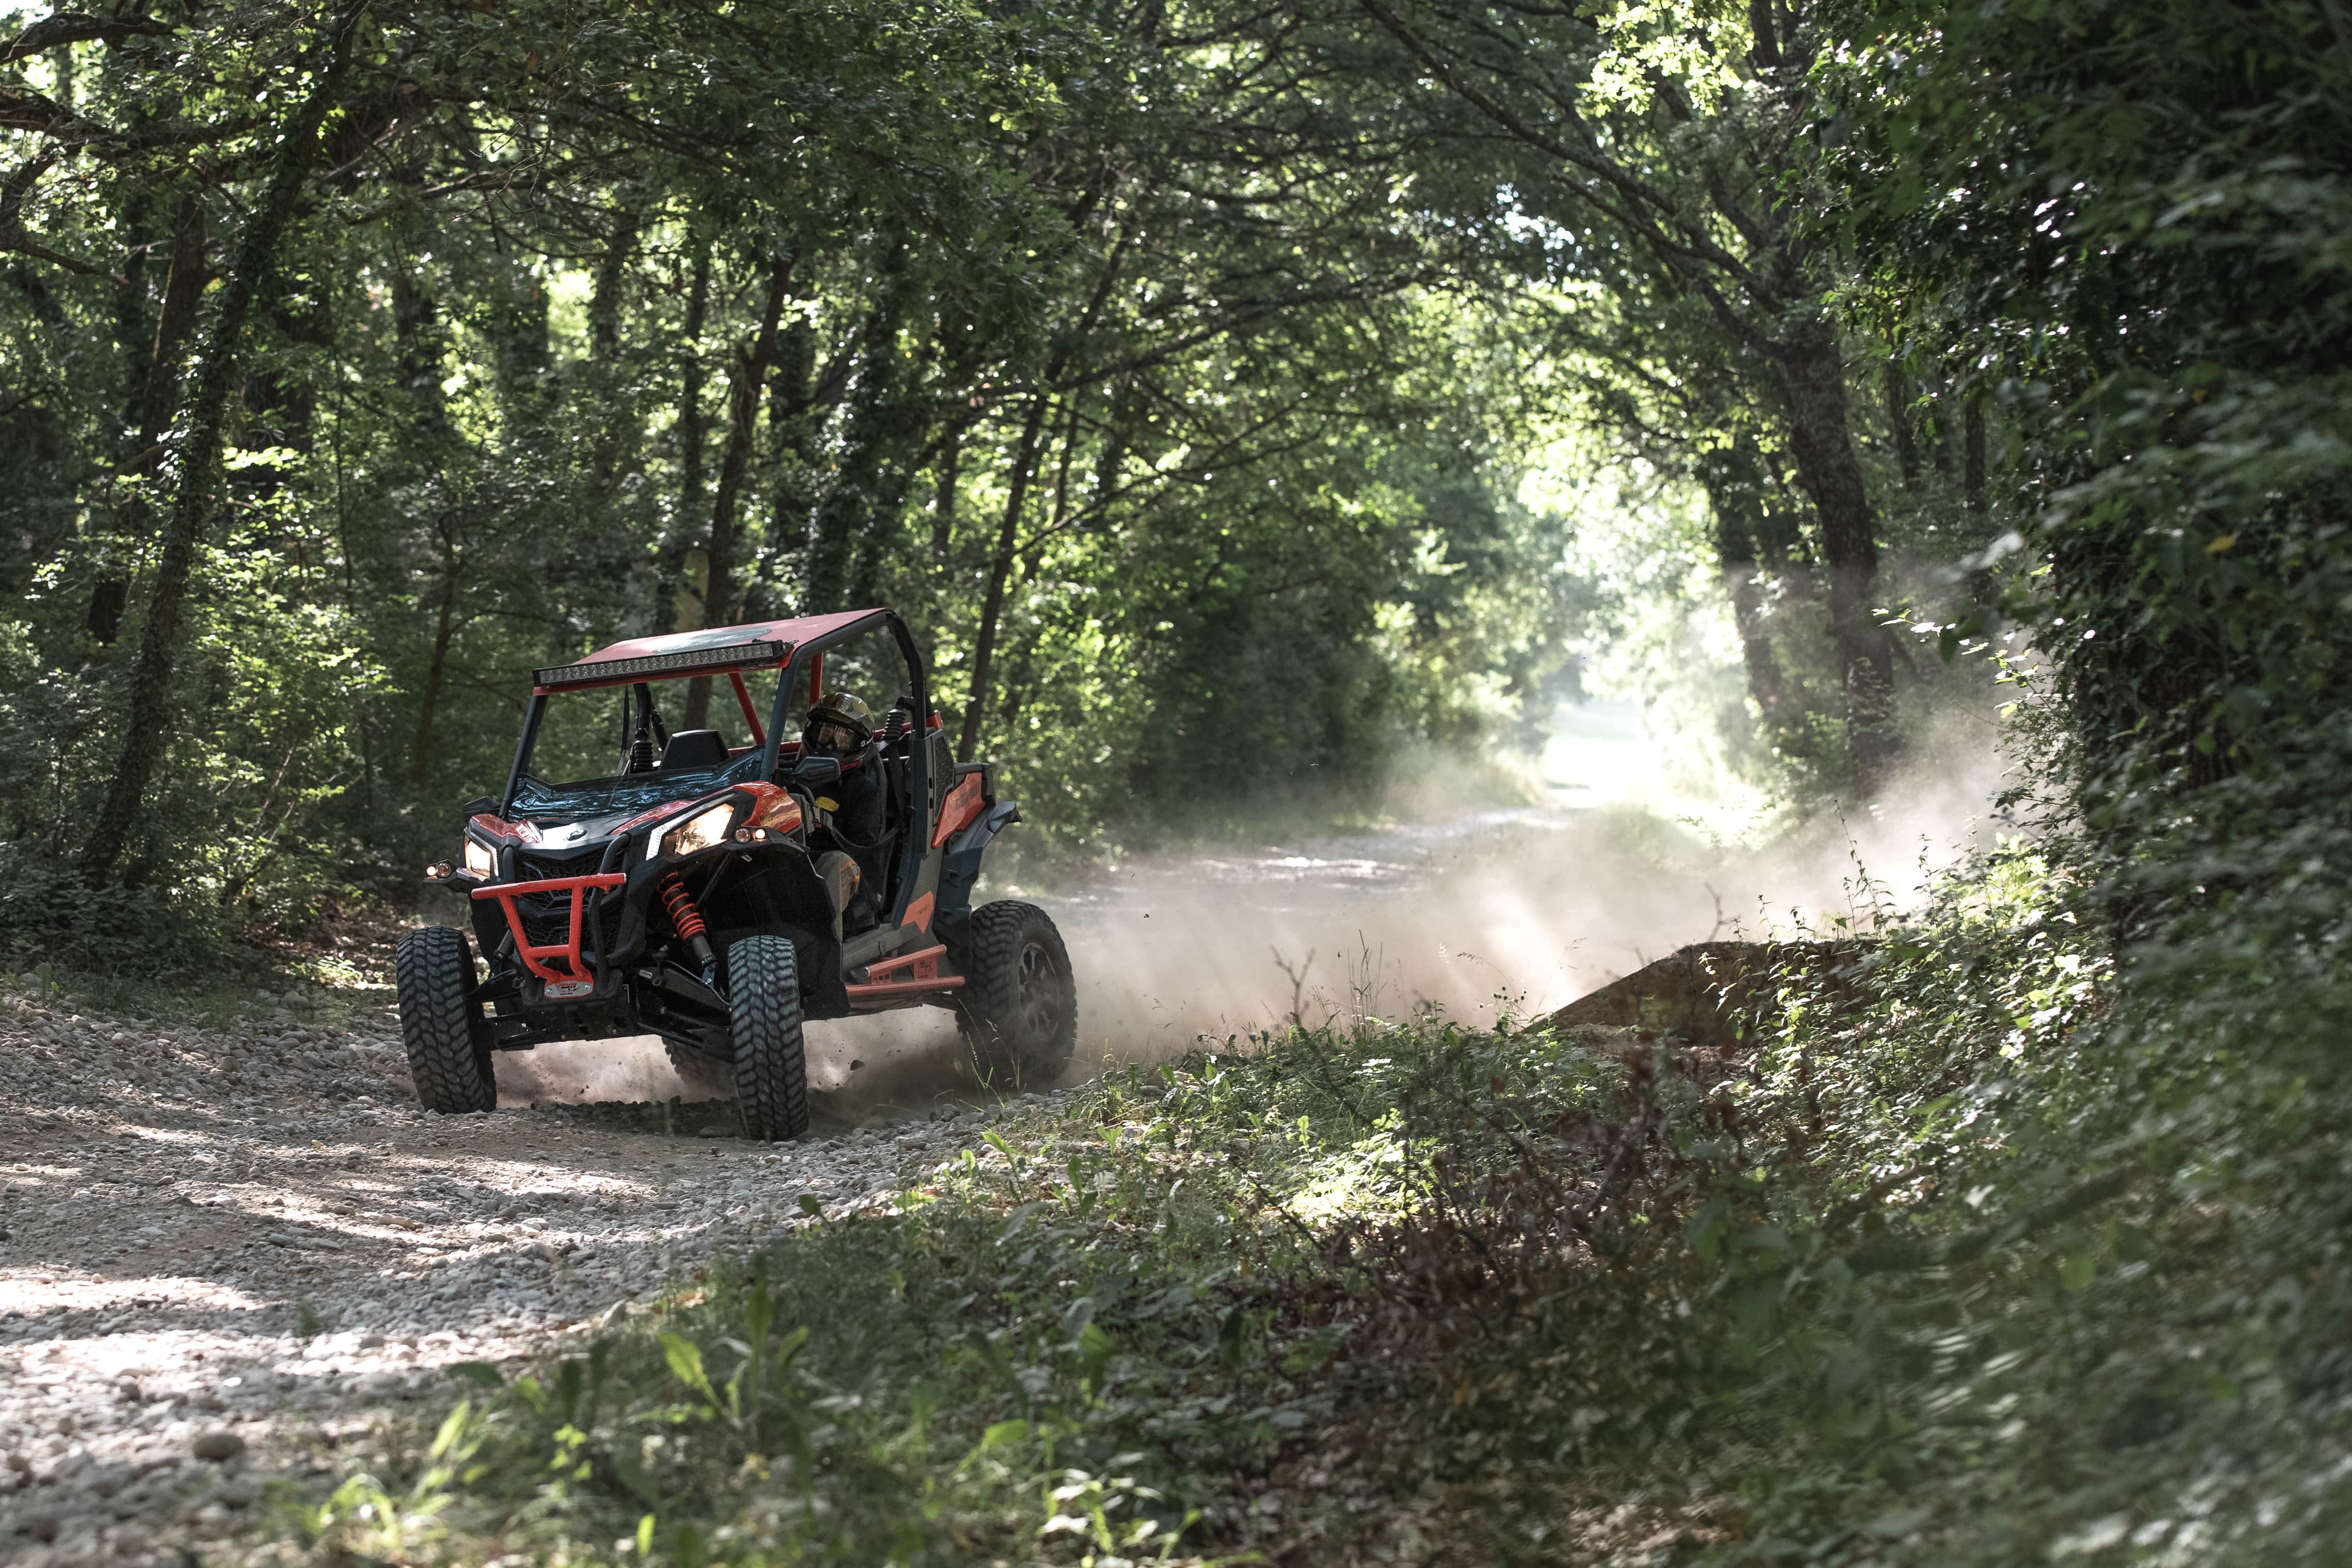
(739, 655)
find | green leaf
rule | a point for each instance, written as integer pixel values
(2077, 1272)
(685, 1358)
(570, 1382)
(480, 1373)
(1896, 1524)
(992, 1354)
(1095, 1347)
(634, 1476)
(1706, 1228)
(1308, 1357)
(758, 1312)
(1231, 1336)
(453, 1428)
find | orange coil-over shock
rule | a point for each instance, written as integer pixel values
(688, 921)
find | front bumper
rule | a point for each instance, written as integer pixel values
(562, 968)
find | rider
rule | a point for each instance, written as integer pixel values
(840, 726)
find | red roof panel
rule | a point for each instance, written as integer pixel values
(806, 629)
(673, 655)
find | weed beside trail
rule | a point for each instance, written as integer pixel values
(1884, 1276)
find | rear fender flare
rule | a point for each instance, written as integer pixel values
(960, 867)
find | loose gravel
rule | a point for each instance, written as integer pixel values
(225, 1252)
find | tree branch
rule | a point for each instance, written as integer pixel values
(74, 27)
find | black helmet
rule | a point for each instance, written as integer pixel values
(839, 724)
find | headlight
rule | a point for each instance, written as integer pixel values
(700, 831)
(481, 861)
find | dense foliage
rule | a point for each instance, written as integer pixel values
(1170, 364)
(1103, 354)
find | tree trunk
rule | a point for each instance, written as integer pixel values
(744, 380)
(132, 336)
(1735, 492)
(1017, 688)
(791, 457)
(1000, 568)
(1898, 420)
(282, 407)
(943, 499)
(1743, 585)
(418, 347)
(843, 545)
(1972, 452)
(183, 291)
(513, 317)
(608, 448)
(743, 417)
(1821, 440)
(148, 403)
(436, 671)
(612, 271)
(692, 373)
(149, 714)
(1984, 589)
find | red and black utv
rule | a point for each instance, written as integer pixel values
(715, 894)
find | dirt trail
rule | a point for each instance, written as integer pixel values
(247, 1244)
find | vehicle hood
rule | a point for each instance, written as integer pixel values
(564, 816)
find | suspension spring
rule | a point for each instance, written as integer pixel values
(684, 919)
(683, 915)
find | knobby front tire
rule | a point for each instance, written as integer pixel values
(763, 991)
(448, 1044)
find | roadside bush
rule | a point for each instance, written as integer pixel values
(50, 915)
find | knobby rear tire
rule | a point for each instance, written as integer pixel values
(763, 992)
(1019, 1004)
(712, 1077)
(448, 1042)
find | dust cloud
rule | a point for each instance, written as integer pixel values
(1518, 910)
(860, 1069)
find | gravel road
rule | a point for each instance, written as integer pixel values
(222, 1253)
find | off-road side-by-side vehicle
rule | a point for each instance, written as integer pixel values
(715, 894)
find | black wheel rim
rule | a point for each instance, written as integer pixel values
(1040, 994)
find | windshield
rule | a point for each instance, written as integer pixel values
(622, 749)
(627, 794)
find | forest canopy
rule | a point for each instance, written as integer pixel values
(1179, 369)
(361, 360)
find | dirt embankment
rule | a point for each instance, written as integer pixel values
(1718, 992)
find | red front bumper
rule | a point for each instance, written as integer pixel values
(573, 980)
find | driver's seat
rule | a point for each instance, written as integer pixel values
(693, 749)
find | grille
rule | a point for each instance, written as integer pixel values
(533, 867)
(547, 917)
